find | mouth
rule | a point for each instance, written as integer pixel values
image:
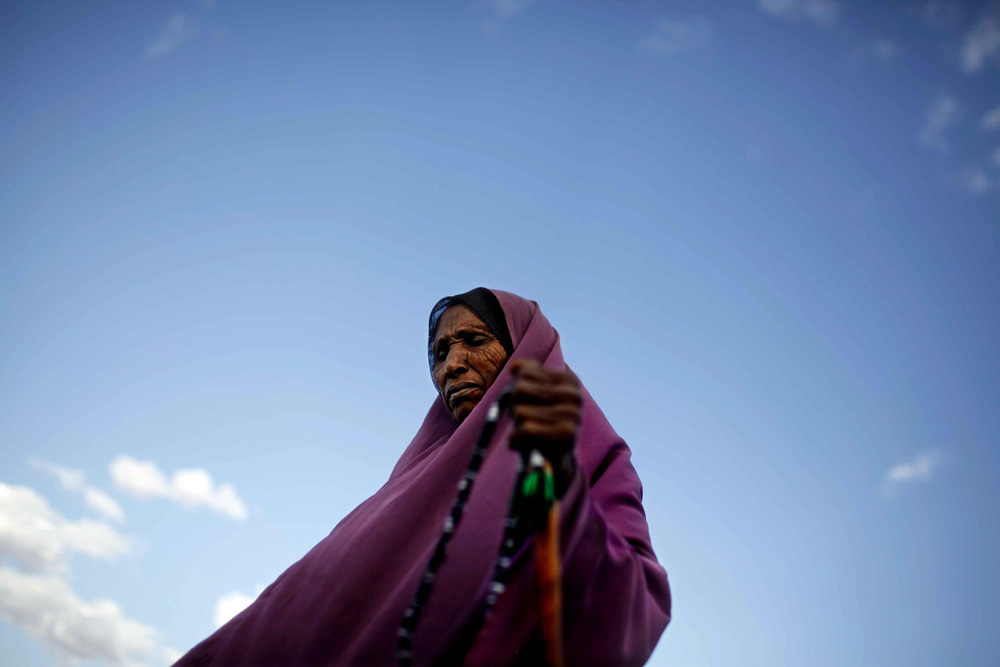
(460, 392)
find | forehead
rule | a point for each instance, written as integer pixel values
(456, 317)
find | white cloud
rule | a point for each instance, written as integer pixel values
(139, 478)
(670, 37)
(981, 43)
(73, 480)
(171, 655)
(995, 158)
(940, 115)
(920, 469)
(39, 538)
(230, 604)
(37, 598)
(179, 28)
(47, 608)
(189, 487)
(820, 12)
(195, 487)
(991, 120)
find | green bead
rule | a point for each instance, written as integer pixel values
(530, 485)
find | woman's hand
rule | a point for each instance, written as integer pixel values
(545, 405)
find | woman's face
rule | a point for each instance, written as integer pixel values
(467, 359)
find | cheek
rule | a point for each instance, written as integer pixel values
(491, 360)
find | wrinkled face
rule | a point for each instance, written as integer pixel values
(467, 359)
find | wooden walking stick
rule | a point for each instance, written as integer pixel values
(547, 561)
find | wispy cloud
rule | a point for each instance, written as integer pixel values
(820, 12)
(990, 120)
(920, 469)
(508, 8)
(73, 480)
(47, 608)
(671, 37)
(940, 15)
(180, 28)
(975, 181)
(69, 479)
(942, 113)
(982, 43)
(191, 487)
(882, 50)
(38, 538)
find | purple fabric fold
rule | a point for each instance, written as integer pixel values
(341, 604)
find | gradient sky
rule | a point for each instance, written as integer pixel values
(766, 231)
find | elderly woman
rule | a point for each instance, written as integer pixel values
(342, 603)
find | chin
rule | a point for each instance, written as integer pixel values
(464, 411)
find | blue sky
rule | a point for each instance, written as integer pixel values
(766, 231)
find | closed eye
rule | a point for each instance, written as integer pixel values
(470, 338)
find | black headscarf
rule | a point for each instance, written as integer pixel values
(482, 302)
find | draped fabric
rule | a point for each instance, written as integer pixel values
(341, 604)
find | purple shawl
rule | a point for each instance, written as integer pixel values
(341, 604)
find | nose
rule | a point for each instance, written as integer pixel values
(456, 363)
